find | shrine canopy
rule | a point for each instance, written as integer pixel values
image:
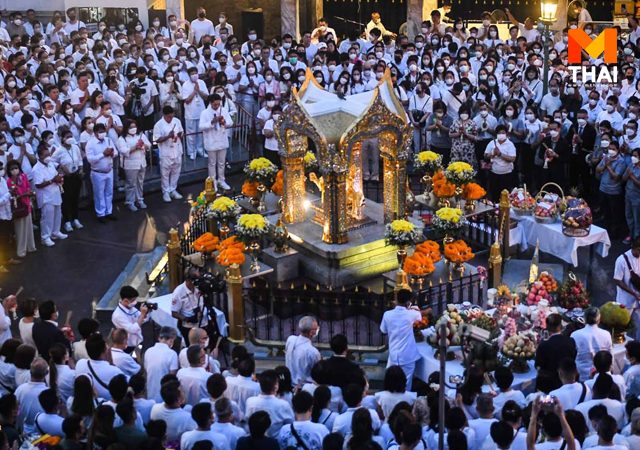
(333, 116)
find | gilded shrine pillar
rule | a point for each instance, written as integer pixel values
(294, 189)
(334, 230)
(394, 177)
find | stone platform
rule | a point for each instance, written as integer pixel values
(363, 257)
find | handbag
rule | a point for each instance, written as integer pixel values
(635, 278)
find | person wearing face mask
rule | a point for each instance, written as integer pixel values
(631, 178)
(144, 97)
(249, 88)
(269, 86)
(193, 92)
(130, 318)
(101, 152)
(463, 133)
(133, 147)
(299, 353)
(169, 91)
(611, 170)
(270, 142)
(214, 122)
(554, 153)
(611, 115)
(22, 152)
(551, 102)
(420, 108)
(582, 144)
(223, 24)
(501, 153)
(68, 158)
(168, 133)
(439, 124)
(48, 184)
(20, 189)
(200, 27)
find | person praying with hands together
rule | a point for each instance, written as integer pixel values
(167, 133)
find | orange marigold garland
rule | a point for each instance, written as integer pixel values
(441, 187)
(458, 252)
(430, 249)
(418, 265)
(231, 252)
(249, 188)
(473, 191)
(206, 243)
(278, 185)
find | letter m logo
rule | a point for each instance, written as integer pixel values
(606, 42)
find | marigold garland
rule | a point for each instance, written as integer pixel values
(278, 185)
(473, 191)
(206, 243)
(431, 249)
(230, 255)
(249, 188)
(458, 252)
(418, 264)
(441, 187)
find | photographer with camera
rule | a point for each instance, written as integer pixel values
(144, 95)
(188, 304)
(130, 318)
(554, 423)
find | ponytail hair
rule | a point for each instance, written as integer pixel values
(321, 398)
(57, 354)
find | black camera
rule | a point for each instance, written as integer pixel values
(138, 91)
(210, 283)
(151, 306)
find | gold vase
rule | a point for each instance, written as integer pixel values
(401, 254)
(447, 239)
(223, 230)
(262, 194)
(428, 184)
(458, 196)
(444, 202)
(280, 237)
(618, 336)
(254, 251)
(459, 267)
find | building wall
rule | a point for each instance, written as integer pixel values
(234, 8)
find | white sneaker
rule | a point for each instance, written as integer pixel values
(131, 207)
(224, 185)
(142, 205)
(58, 235)
(67, 227)
(77, 225)
(176, 195)
(47, 242)
(166, 197)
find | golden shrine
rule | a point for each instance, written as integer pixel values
(337, 126)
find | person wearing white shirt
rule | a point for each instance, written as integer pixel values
(216, 387)
(398, 325)
(482, 425)
(224, 422)
(187, 304)
(602, 362)
(222, 23)
(504, 379)
(194, 378)
(73, 24)
(632, 374)
(571, 393)
(27, 396)
(605, 394)
(557, 430)
(48, 421)
(167, 133)
(271, 145)
(159, 361)
(199, 336)
(302, 429)
(502, 154)
(619, 440)
(607, 433)
(22, 151)
(47, 181)
(121, 359)
(201, 27)
(145, 95)
(626, 293)
(100, 152)
(213, 122)
(279, 410)
(202, 415)
(61, 376)
(590, 340)
(97, 366)
(177, 419)
(69, 160)
(353, 397)
(299, 353)
(193, 92)
(130, 318)
(242, 386)
(81, 95)
(133, 147)
(394, 392)
(143, 405)
(611, 115)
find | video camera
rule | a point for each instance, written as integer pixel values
(151, 306)
(138, 91)
(209, 284)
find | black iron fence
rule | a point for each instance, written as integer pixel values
(468, 288)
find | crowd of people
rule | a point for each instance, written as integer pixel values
(83, 111)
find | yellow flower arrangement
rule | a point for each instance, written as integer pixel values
(252, 221)
(260, 164)
(223, 204)
(449, 214)
(224, 209)
(459, 166)
(428, 160)
(459, 173)
(503, 291)
(402, 226)
(401, 232)
(428, 155)
(251, 227)
(261, 170)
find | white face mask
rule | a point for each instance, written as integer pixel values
(604, 143)
(484, 113)
(19, 140)
(271, 103)
(194, 77)
(133, 131)
(102, 135)
(464, 116)
(69, 141)
(609, 109)
(630, 132)
(530, 117)
(170, 79)
(509, 113)
(502, 137)
(582, 122)
(612, 153)
(553, 133)
(635, 160)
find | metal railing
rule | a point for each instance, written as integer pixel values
(469, 288)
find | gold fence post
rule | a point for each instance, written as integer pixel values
(495, 265)
(236, 304)
(504, 223)
(174, 255)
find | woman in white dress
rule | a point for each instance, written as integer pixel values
(28, 310)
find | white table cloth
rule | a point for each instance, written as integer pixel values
(162, 316)
(554, 242)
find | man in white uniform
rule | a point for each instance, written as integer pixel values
(145, 94)
(299, 353)
(121, 359)
(193, 92)
(201, 27)
(214, 121)
(100, 153)
(130, 318)
(167, 133)
(398, 324)
(27, 396)
(590, 340)
(187, 304)
(626, 293)
(279, 410)
(194, 378)
(302, 429)
(97, 367)
(48, 181)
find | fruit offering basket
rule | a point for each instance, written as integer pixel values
(577, 218)
(548, 204)
(522, 203)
